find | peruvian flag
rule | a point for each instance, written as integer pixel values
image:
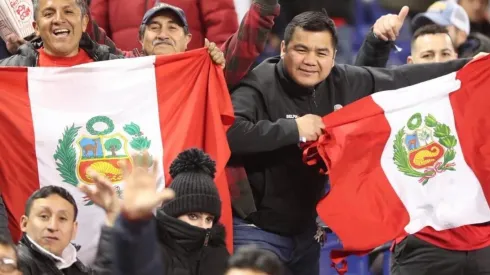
(403, 160)
(57, 122)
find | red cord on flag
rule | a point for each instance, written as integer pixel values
(313, 152)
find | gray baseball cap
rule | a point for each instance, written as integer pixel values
(445, 13)
(159, 7)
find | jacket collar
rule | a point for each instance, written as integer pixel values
(95, 51)
(67, 259)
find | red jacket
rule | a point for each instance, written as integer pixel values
(215, 20)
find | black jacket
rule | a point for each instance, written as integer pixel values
(34, 262)
(27, 55)
(264, 138)
(189, 250)
(3, 50)
(374, 52)
(168, 246)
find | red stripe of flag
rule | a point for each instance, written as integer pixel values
(19, 176)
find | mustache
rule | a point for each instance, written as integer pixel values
(162, 41)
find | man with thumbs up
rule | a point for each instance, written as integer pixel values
(387, 27)
(280, 104)
(459, 251)
(376, 48)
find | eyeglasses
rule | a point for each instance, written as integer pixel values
(7, 265)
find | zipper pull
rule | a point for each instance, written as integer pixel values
(206, 239)
(314, 97)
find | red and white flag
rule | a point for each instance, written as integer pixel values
(402, 160)
(57, 122)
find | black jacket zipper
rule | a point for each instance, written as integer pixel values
(206, 242)
(206, 239)
(313, 106)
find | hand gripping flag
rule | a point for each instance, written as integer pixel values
(58, 122)
(402, 160)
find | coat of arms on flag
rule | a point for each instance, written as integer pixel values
(155, 101)
(425, 148)
(100, 150)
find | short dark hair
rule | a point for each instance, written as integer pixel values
(47, 191)
(314, 21)
(428, 30)
(252, 258)
(81, 3)
(6, 240)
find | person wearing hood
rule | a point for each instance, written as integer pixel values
(184, 237)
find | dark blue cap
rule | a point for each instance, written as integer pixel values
(159, 7)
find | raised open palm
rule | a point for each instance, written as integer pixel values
(140, 194)
(103, 194)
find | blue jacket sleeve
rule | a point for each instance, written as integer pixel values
(136, 248)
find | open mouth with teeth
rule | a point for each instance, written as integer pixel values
(61, 32)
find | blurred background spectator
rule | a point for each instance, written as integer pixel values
(478, 12)
(449, 15)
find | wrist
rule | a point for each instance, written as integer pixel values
(136, 215)
(373, 39)
(110, 218)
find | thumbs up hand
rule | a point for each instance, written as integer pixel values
(387, 27)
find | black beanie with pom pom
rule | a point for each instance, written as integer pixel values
(193, 183)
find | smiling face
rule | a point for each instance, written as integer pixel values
(50, 223)
(164, 34)
(309, 56)
(60, 24)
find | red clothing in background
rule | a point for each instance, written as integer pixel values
(215, 20)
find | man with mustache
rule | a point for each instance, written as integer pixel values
(240, 50)
(61, 26)
(164, 30)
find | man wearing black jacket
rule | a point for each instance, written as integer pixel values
(279, 105)
(48, 225)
